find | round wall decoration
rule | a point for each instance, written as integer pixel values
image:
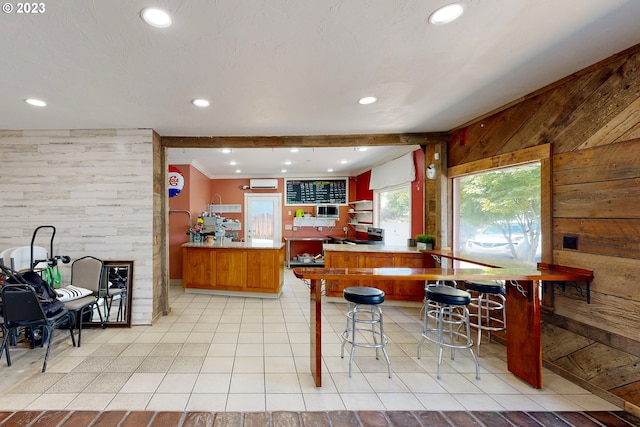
(176, 181)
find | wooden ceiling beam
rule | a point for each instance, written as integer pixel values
(303, 140)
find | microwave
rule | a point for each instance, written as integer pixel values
(327, 211)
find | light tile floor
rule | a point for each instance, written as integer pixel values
(217, 353)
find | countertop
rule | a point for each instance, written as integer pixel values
(548, 273)
(234, 245)
(306, 239)
(370, 248)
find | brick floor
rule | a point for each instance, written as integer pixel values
(315, 419)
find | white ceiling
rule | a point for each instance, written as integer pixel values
(281, 67)
(270, 162)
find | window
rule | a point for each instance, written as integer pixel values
(499, 213)
(392, 209)
(517, 162)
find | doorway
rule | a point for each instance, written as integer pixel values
(161, 191)
(263, 218)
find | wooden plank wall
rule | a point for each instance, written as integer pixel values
(94, 186)
(592, 120)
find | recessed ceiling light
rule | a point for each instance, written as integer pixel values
(156, 17)
(202, 103)
(238, 171)
(329, 170)
(343, 162)
(225, 150)
(363, 148)
(446, 14)
(367, 100)
(233, 163)
(283, 170)
(288, 162)
(294, 150)
(35, 102)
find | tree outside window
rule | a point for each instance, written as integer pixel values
(500, 213)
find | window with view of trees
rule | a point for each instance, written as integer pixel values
(500, 213)
(393, 213)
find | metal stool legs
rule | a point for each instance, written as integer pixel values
(369, 316)
(447, 309)
(485, 321)
(487, 308)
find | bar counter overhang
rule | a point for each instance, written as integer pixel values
(524, 351)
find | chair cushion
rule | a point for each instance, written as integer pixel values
(115, 290)
(363, 295)
(80, 303)
(448, 295)
(485, 287)
(70, 293)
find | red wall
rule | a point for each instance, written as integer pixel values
(362, 192)
(229, 192)
(362, 187)
(194, 198)
(232, 192)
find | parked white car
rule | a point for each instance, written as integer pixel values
(492, 241)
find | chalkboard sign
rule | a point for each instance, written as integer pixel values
(316, 191)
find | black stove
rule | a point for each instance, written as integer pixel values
(375, 236)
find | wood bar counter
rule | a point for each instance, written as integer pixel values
(235, 268)
(375, 256)
(524, 354)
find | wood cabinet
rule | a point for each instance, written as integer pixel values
(341, 259)
(408, 289)
(377, 260)
(233, 269)
(265, 269)
(198, 268)
(405, 290)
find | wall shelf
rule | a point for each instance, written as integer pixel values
(314, 222)
(229, 208)
(361, 215)
(362, 205)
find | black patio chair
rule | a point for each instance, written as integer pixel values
(22, 309)
(5, 341)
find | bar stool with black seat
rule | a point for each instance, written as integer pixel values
(487, 307)
(364, 315)
(447, 308)
(423, 309)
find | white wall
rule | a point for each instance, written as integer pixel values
(94, 186)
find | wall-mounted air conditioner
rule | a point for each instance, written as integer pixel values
(263, 184)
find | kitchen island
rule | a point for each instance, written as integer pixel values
(375, 256)
(235, 269)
